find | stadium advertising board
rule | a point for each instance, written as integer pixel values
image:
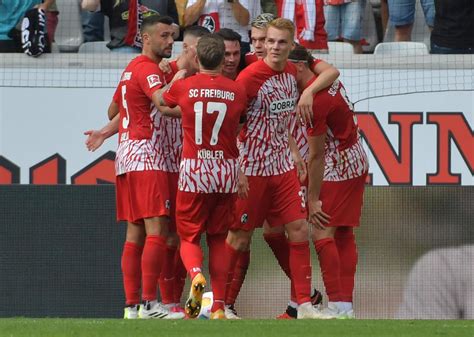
(416, 139)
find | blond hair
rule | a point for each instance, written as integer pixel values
(283, 24)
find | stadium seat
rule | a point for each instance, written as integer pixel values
(401, 48)
(94, 47)
(340, 47)
(420, 33)
(369, 28)
(69, 32)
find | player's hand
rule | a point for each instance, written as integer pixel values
(94, 139)
(317, 217)
(165, 66)
(179, 75)
(304, 108)
(243, 186)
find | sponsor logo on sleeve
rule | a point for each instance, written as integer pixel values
(153, 80)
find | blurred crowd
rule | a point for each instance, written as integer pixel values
(451, 23)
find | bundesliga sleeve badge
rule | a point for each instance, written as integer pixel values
(153, 80)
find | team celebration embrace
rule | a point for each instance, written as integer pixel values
(215, 144)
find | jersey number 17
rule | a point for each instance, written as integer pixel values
(211, 107)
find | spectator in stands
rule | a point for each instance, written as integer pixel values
(12, 12)
(441, 284)
(344, 21)
(125, 35)
(92, 26)
(453, 31)
(308, 16)
(217, 14)
(402, 16)
(268, 6)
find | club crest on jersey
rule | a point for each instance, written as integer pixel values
(167, 204)
(244, 218)
(153, 80)
(209, 23)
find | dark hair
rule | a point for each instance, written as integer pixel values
(196, 31)
(152, 20)
(300, 53)
(210, 51)
(229, 35)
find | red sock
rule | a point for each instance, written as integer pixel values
(152, 262)
(166, 281)
(218, 268)
(300, 266)
(132, 273)
(179, 278)
(347, 248)
(238, 277)
(233, 256)
(330, 265)
(278, 243)
(191, 254)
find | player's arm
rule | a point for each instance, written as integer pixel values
(316, 173)
(113, 110)
(327, 74)
(298, 160)
(241, 14)
(192, 13)
(159, 101)
(95, 138)
(170, 112)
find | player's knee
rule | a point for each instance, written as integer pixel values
(297, 231)
(239, 240)
(157, 226)
(319, 234)
(172, 240)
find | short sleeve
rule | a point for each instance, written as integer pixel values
(321, 110)
(315, 63)
(150, 79)
(243, 80)
(243, 101)
(172, 95)
(117, 94)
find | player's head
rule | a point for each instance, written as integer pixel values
(191, 37)
(302, 59)
(157, 35)
(232, 41)
(210, 52)
(258, 32)
(280, 40)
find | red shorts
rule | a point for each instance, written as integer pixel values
(276, 199)
(173, 190)
(343, 200)
(200, 212)
(140, 195)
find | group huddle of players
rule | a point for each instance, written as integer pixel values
(204, 148)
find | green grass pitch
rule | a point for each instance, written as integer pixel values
(28, 327)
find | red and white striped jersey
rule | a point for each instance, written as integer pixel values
(139, 137)
(333, 114)
(300, 134)
(271, 97)
(172, 132)
(211, 109)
